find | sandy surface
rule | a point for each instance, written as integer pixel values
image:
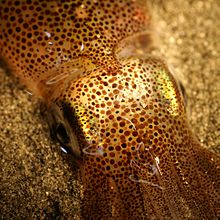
(36, 182)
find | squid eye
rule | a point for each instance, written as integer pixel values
(61, 134)
(183, 91)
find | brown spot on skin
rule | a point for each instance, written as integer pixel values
(141, 162)
(139, 158)
(57, 35)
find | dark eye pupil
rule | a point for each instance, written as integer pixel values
(61, 134)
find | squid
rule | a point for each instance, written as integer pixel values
(117, 109)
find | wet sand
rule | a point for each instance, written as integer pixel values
(36, 182)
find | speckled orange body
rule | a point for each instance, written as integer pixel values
(120, 112)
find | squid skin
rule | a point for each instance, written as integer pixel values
(119, 112)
